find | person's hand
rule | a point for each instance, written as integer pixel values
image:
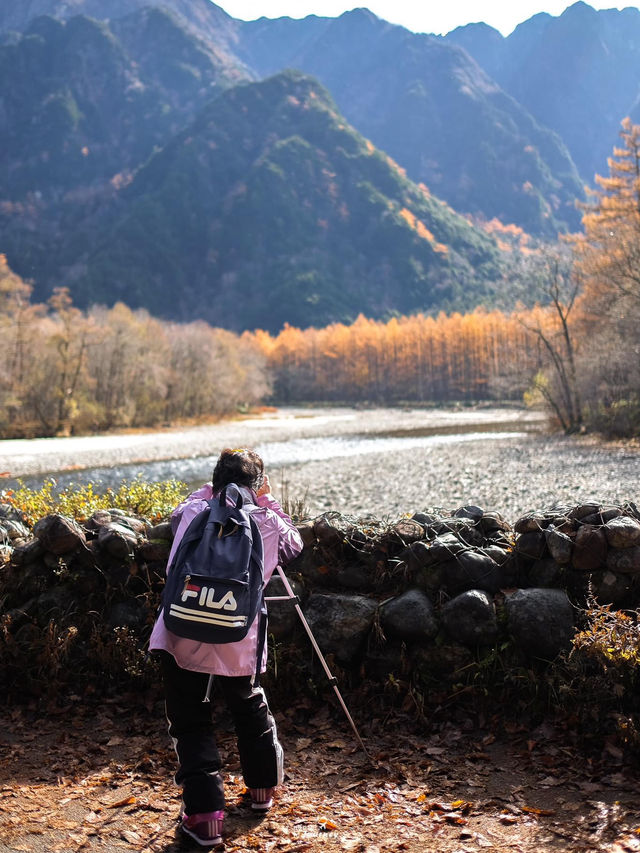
(265, 487)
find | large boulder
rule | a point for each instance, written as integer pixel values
(154, 551)
(328, 532)
(118, 540)
(409, 616)
(622, 532)
(603, 515)
(340, 623)
(532, 544)
(533, 522)
(470, 619)
(13, 530)
(559, 544)
(28, 553)
(162, 531)
(541, 621)
(439, 550)
(283, 615)
(545, 573)
(624, 560)
(587, 509)
(590, 549)
(493, 522)
(611, 588)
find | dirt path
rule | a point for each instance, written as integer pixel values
(99, 779)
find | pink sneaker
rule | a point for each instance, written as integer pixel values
(205, 829)
(261, 798)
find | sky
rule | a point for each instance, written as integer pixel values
(421, 16)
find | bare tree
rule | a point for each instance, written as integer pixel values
(551, 270)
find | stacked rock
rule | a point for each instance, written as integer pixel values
(440, 577)
(62, 570)
(589, 547)
(419, 594)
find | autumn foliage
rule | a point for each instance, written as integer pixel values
(64, 370)
(457, 357)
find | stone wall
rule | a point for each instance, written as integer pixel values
(423, 595)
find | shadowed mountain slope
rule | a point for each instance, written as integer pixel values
(434, 110)
(269, 208)
(576, 73)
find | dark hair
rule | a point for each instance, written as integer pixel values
(241, 466)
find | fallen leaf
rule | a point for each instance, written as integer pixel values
(531, 810)
(127, 801)
(131, 837)
(451, 817)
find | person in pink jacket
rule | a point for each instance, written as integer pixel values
(188, 667)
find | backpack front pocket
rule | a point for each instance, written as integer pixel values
(203, 602)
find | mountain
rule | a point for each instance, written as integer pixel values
(83, 101)
(268, 209)
(156, 151)
(82, 106)
(138, 168)
(202, 17)
(576, 74)
(422, 100)
(434, 110)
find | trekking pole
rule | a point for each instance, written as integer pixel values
(291, 596)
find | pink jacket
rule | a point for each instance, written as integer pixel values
(281, 543)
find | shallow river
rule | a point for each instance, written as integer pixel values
(288, 438)
(382, 462)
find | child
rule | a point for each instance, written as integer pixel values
(187, 666)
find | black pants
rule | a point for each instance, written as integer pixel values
(192, 730)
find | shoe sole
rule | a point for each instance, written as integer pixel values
(262, 807)
(208, 842)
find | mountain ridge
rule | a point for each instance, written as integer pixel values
(96, 114)
(346, 231)
(575, 73)
(395, 90)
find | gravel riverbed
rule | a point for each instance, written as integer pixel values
(380, 462)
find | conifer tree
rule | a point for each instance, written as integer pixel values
(609, 250)
(608, 263)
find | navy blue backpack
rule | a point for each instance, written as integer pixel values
(214, 587)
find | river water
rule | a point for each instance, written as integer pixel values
(279, 454)
(380, 462)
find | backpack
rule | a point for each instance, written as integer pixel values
(214, 586)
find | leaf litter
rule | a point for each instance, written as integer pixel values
(100, 779)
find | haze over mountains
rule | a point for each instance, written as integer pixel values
(149, 154)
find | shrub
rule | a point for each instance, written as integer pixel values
(153, 501)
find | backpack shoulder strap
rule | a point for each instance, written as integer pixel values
(233, 491)
(194, 531)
